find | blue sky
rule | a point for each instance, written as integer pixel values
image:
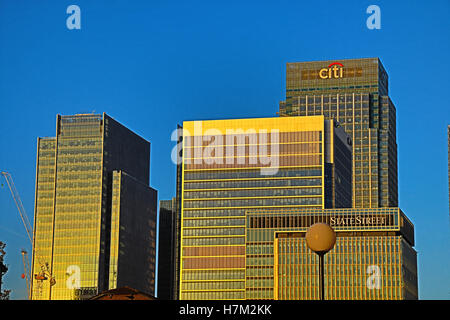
(153, 64)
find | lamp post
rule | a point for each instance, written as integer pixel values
(320, 238)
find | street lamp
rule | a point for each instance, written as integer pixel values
(320, 238)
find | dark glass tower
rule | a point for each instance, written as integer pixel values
(132, 259)
(95, 216)
(170, 234)
(355, 93)
(166, 249)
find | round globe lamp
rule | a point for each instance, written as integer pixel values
(320, 238)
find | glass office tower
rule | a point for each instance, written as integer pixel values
(167, 247)
(355, 93)
(373, 257)
(91, 191)
(230, 166)
(132, 258)
(170, 284)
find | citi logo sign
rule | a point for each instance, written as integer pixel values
(334, 70)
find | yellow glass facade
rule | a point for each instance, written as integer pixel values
(346, 271)
(73, 207)
(373, 257)
(223, 176)
(115, 230)
(43, 230)
(73, 235)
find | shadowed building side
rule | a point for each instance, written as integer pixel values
(166, 249)
(355, 93)
(132, 259)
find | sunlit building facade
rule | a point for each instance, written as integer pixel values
(355, 93)
(373, 258)
(92, 199)
(232, 166)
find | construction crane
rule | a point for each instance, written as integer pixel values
(44, 274)
(19, 204)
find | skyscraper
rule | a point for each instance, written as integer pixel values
(373, 258)
(355, 93)
(167, 246)
(132, 254)
(231, 166)
(95, 216)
